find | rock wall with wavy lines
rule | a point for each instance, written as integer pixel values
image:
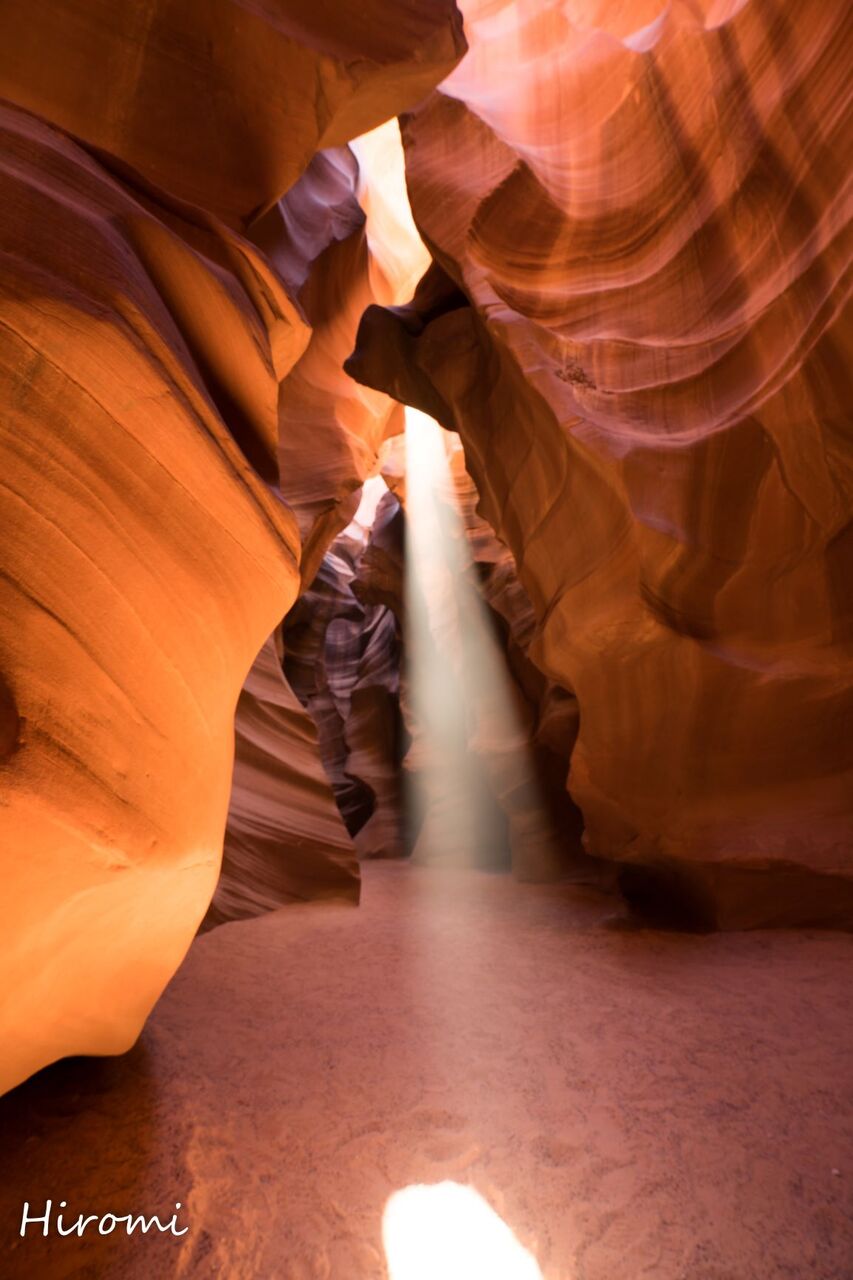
(133, 595)
(638, 324)
(284, 840)
(342, 659)
(332, 427)
(636, 319)
(222, 103)
(147, 551)
(342, 243)
(339, 244)
(342, 238)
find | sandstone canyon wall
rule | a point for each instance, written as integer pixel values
(340, 244)
(147, 551)
(638, 323)
(284, 839)
(315, 238)
(343, 661)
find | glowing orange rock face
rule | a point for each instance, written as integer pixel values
(134, 591)
(649, 218)
(147, 553)
(223, 102)
(331, 428)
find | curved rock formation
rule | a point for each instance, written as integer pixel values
(338, 246)
(285, 841)
(222, 103)
(147, 552)
(642, 221)
(341, 244)
(142, 556)
(343, 238)
(331, 428)
(343, 661)
(380, 572)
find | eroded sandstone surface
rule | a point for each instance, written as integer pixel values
(223, 103)
(122, 661)
(637, 324)
(343, 657)
(148, 552)
(285, 840)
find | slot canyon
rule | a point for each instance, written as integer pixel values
(426, 640)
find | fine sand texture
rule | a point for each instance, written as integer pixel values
(635, 1105)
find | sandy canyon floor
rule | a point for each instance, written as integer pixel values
(633, 1104)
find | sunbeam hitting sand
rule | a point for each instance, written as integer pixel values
(629, 1103)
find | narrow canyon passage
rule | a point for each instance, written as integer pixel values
(630, 1103)
(426, 640)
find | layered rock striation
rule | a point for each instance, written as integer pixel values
(343, 239)
(222, 103)
(147, 552)
(343, 654)
(133, 594)
(284, 840)
(637, 322)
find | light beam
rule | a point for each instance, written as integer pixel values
(479, 793)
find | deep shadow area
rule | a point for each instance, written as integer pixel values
(87, 1131)
(665, 899)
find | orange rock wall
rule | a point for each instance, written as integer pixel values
(147, 552)
(133, 593)
(343, 660)
(343, 243)
(222, 103)
(643, 341)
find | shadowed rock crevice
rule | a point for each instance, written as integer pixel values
(342, 657)
(10, 722)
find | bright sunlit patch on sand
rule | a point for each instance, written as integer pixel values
(449, 1232)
